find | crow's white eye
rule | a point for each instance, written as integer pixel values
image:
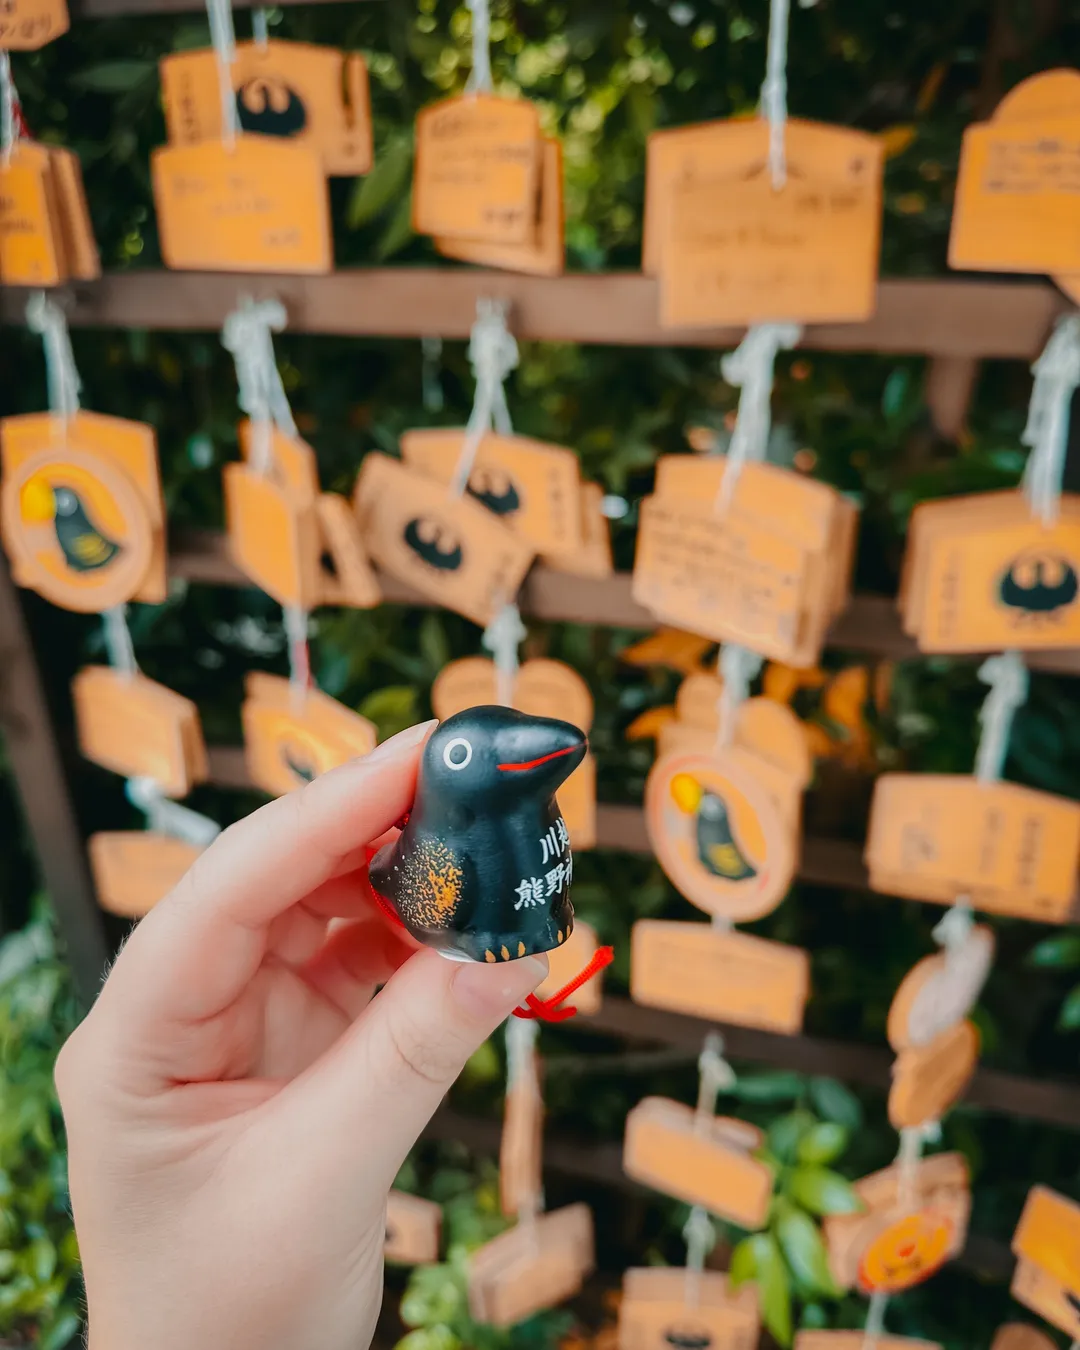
(65, 502)
(457, 754)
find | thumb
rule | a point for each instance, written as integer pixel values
(383, 1080)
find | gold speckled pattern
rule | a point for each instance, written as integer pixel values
(431, 886)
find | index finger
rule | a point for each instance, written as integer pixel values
(197, 950)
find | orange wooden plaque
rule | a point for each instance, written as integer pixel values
(273, 537)
(534, 1266)
(26, 25)
(134, 869)
(1021, 1336)
(928, 1079)
(289, 741)
(412, 1229)
(31, 242)
(666, 1309)
(940, 991)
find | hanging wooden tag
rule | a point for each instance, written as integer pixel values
(569, 960)
(702, 1163)
(134, 869)
(1013, 850)
(412, 1229)
(477, 169)
(767, 729)
(273, 537)
(258, 206)
(720, 576)
(855, 1340)
(31, 243)
(315, 96)
(80, 250)
(540, 256)
(736, 250)
(130, 447)
(289, 741)
(347, 575)
(940, 991)
(593, 559)
(76, 530)
(719, 834)
(928, 1079)
(906, 1252)
(521, 1173)
(292, 462)
(1047, 1243)
(532, 1267)
(451, 550)
(577, 802)
(27, 25)
(1021, 1336)
(534, 488)
(723, 976)
(542, 688)
(138, 728)
(665, 1309)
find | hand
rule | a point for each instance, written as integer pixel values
(238, 1105)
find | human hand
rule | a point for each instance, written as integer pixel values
(237, 1105)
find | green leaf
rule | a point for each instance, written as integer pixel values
(774, 1288)
(742, 1268)
(483, 1065)
(834, 1101)
(822, 1143)
(112, 77)
(383, 185)
(434, 1294)
(437, 1337)
(894, 393)
(823, 1192)
(391, 709)
(1069, 1016)
(769, 1087)
(399, 232)
(1059, 951)
(786, 1131)
(804, 1250)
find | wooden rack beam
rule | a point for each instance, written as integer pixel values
(111, 9)
(953, 318)
(870, 623)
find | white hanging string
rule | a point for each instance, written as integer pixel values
(875, 1320)
(479, 81)
(118, 641)
(248, 334)
(774, 90)
(223, 37)
(167, 817)
(431, 392)
(522, 1074)
(1057, 376)
(260, 29)
(751, 367)
(502, 637)
(295, 618)
(1007, 677)
(493, 354)
(715, 1075)
(45, 317)
(9, 123)
(700, 1238)
(736, 666)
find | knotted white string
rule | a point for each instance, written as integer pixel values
(9, 124)
(774, 90)
(167, 817)
(296, 634)
(260, 29)
(45, 317)
(751, 368)
(223, 37)
(502, 637)
(700, 1236)
(493, 354)
(1007, 677)
(715, 1075)
(248, 334)
(1057, 376)
(479, 81)
(736, 666)
(431, 391)
(118, 641)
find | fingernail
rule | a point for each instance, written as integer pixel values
(401, 743)
(487, 991)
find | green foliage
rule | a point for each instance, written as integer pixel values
(39, 1259)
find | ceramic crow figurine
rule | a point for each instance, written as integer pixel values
(482, 868)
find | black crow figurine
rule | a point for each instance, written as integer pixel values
(482, 868)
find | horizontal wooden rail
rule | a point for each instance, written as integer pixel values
(948, 317)
(870, 623)
(111, 9)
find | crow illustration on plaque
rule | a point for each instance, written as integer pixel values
(482, 868)
(1038, 586)
(434, 543)
(494, 488)
(268, 107)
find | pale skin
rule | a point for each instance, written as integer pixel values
(238, 1103)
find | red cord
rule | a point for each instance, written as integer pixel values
(547, 1009)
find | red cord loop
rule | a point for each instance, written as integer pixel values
(547, 1009)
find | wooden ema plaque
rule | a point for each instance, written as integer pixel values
(855, 1340)
(315, 96)
(928, 1079)
(412, 1229)
(1012, 849)
(941, 1187)
(730, 248)
(139, 729)
(1021, 1336)
(663, 1309)
(593, 559)
(533, 487)
(534, 1266)
(940, 991)
(133, 869)
(477, 171)
(273, 537)
(1047, 1246)
(722, 976)
(81, 510)
(452, 550)
(26, 25)
(289, 741)
(542, 688)
(705, 1163)
(45, 232)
